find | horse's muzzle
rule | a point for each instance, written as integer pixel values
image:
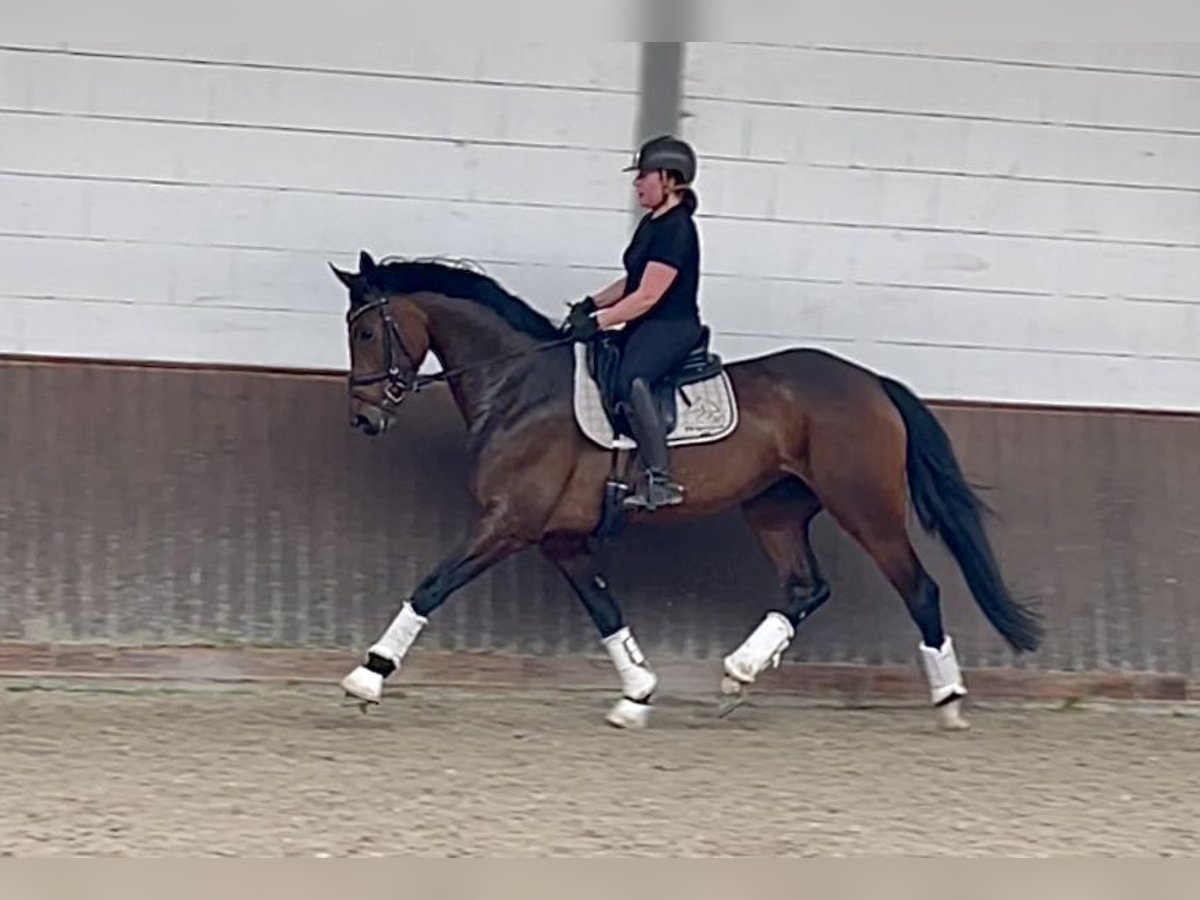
(370, 421)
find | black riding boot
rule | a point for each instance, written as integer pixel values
(651, 435)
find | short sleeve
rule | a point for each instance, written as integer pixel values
(671, 242)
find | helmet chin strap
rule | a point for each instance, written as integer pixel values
(668, 193)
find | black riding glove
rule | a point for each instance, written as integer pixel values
(587, 304)
(581, 324)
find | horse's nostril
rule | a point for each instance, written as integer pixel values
(360, 421)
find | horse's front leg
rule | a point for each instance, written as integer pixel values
(571, 555)
(490, 541)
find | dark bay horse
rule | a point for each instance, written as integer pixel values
(814, 432)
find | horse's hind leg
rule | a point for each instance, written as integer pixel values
(571, 556)
(872, 510)
(894, 554)
(780, 517)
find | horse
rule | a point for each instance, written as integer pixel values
(814, 432)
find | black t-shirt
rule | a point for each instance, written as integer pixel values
(670, 239)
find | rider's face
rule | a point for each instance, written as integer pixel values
(651, 189)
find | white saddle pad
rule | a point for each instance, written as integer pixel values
(706, 411)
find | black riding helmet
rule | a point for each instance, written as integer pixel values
(666, 152)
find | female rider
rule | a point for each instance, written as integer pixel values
(656, 301)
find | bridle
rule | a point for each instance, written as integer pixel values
(399, 384)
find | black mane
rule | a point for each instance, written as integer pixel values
(410, 277)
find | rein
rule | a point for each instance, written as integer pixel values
(401, 384)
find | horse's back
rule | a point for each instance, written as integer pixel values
(811, 367)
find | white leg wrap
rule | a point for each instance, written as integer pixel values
(764, 647)
(392, 645)
(400, 635)
(637, 681)
(942, 672)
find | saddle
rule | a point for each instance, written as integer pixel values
(603, 358)
(709, 412)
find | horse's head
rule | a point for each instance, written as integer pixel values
(388, 342)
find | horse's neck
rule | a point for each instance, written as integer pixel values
(463, 334)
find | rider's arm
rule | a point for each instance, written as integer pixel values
(610, 294)
(655, 281)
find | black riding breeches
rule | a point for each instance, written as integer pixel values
(652, 350)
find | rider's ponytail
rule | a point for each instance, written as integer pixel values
(687, 196)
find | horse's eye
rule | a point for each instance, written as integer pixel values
(366, 334)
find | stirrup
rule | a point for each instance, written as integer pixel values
(657, 490)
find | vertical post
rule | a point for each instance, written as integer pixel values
(661, 89)
(660, 95)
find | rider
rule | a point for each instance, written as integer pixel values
(656, 301)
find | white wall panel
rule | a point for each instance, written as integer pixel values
(306, 99)
(201, 155)
(1009, 222)
(1126, 56)
(911, 83)
(599, 66)
(993, 221)
(181, 201)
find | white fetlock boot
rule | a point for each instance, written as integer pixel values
(764, 647)
(946, 687)
(366, 685)
(637, 681)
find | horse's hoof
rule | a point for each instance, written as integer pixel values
(363, 706)
(364, 685)
(733, 695)
(950, 717)
(730, 703)
(628, 713)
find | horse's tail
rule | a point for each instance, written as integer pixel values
(946, 505)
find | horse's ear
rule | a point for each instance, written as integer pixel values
(346, 278)
(366, 265)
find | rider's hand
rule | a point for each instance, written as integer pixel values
(587, 304)
(581, 325)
